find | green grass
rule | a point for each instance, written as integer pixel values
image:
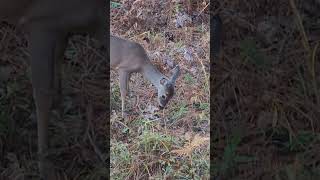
(146, 145)
(154, 141)
(121, 159)
(179, 111)
(188, 78)
(115, 95)
(249, 51)
(115, 4)
(297, 171)
(231, 158)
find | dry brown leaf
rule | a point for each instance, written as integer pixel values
(183, 151)
(190, 146)
(198, 141)
(188, 136)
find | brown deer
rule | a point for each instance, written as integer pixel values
(128, 57)
(48, 24)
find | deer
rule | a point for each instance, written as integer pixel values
(127, 57)
(49, 24)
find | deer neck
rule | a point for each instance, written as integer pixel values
(151, 73)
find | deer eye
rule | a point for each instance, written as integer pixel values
(163, 81)
(163, 96)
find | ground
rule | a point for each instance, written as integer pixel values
(151, 144)
(172, 143)
(77, 136)
(265, 100)
(265, 104)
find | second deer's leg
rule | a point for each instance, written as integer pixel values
(123, 80)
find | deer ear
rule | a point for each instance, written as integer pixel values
(176, 74)
(163, 81)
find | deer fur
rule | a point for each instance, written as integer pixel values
(48, 24)
(128, 57)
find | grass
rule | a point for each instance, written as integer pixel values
(250, 53)
(115, 100)
(271, 93)
(147, 144)
(179, 112)
(188, 79)
(121, 159)
(71, 138)
(141, 157)
(265, 107)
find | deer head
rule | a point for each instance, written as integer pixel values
(166, 88)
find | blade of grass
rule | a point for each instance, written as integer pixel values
(300, 25)
(313, 74)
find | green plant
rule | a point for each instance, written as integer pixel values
(180, 111)
(179, 44)
(249, 51)
(115, 5)
(120, 153)
(297, 171)
(115, 96)
(230, 157)
(188, 78)
(300, 141)
(287, 142)
(153, 141)
(144, 124)
(178, 8)
(121, 158)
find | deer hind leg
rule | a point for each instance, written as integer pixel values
(123, 80)
(42, 50)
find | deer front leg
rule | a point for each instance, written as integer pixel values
(123, 79)
(42, 51)
(60, 47)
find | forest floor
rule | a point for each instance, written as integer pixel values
(150, 143)
(172, 143)
(265, 100)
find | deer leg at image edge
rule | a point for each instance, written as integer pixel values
(42, 50)
(60, 47)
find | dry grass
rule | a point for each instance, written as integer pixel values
(141, 146)
(266, 107)
(77, 137)
(150, 145)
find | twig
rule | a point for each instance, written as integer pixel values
(203, 9)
